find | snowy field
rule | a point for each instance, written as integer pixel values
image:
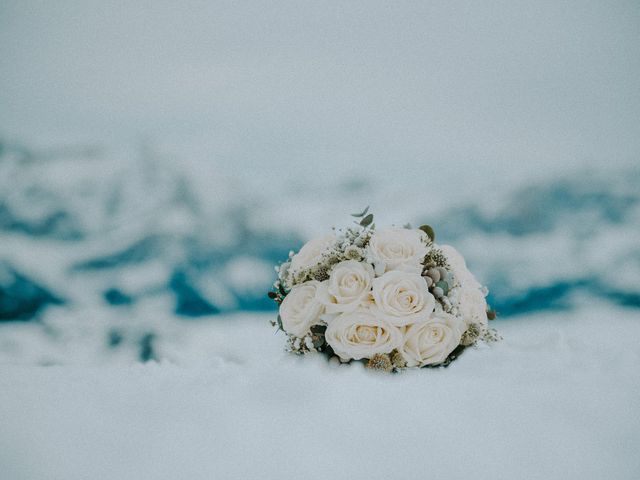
(556, 399)
(157, 161)
(135, 338)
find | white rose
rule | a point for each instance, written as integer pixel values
(459, 267)
(349, 285)
(431, 341)
(402, 298)
(397, 249)
(361, 334)
(311, 253)
(300, 309)
(472, 306)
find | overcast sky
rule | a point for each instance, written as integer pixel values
(355, 80)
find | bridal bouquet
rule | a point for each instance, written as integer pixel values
(392, 298)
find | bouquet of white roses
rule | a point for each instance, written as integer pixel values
(393, 298)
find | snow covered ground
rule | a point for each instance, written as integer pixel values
(135, 342)
(157, 160)
(556, 399)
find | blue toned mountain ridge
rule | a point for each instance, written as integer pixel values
(122, 229)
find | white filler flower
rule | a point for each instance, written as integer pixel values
(349, 285)
(301, 309)
(397, 249)
(402, 298)
(361, 334)
(311, 253)
(430, 342)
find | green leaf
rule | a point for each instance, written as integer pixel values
(429, 231)
(366, 221)
(272, 295)
(362, 214)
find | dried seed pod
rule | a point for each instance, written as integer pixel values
(434, 273)
(444, 274)
(444, 286)
(353, 253)
(380, 361)
(398, 360)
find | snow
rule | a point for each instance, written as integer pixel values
(557, 398)
(156, 163)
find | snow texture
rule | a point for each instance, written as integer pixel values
(556, 399)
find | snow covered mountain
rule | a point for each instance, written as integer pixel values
(122, 237)
(111, 229)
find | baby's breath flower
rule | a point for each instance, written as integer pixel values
(435, 258)
(491, 335)
(320, 272)
(471, 335)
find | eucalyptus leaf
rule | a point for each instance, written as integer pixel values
(366, 221)
(362, 214)
(429, 231)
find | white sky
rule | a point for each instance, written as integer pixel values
(496, 82)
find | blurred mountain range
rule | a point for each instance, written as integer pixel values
(85, 227)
